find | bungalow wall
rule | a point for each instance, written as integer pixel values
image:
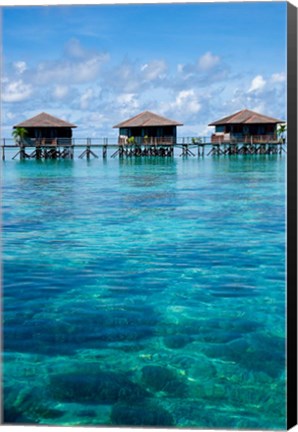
(253, 129)
(151, 132)
(48, 132)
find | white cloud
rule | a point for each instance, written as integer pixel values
(153, 70)
(16, 91)
(207, 70)
(8, 116)
(74, 49)
(278, 77)
(76, 65)
(86, 97)
(93, 125)
(187, 100)
(208, 61)
(131, 77)
(186, 104)
(124, 77)
(257, 84)
(126, 98)
(260, 107)
(180, 67)
(127, 104)
(69, 71)
(20, 67)
(60, 91)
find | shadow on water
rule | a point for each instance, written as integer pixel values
(42, 168)
(247, 163)
(148, 160)
(148, 172)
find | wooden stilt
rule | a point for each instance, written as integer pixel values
(88, 152)
(183, 150)
(38, 153)
(121, 151)
(211, 151)
(22, 152)
(19, 152)
(115, 154)
(186, 151)
(216, 150)
(83, 154)
(88, 149)
(66, 153)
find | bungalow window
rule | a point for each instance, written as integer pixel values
(220, 128)
(124, 131)
(238, 129)
(261, 130)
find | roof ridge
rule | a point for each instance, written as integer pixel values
(42, 116)
(134, 117)
(148, 116)
(248, 117)
(234, 116)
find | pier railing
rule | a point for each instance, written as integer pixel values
(115, 141)
(146, 141)
(35, 142)
(110, 141)
(246, 139)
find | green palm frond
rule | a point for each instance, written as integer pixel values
(282, 129)
(19, 134)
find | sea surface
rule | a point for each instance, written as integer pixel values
(145, 292)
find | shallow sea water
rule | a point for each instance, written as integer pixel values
(145, 292)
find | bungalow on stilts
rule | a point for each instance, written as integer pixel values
(147, 134)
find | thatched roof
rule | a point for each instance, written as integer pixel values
(246, 117)
(146, 119)
(45, 120)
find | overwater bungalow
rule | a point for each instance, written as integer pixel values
(148, 128)
(45, 129)
(246, 126)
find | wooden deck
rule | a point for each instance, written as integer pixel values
(93, 148)
(220, 138)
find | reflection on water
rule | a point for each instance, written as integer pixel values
(145, 292)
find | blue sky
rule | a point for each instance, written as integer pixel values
(97, 65)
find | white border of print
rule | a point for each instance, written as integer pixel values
(88, 2)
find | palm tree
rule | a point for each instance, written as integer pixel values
(281, 131)
(19, 134)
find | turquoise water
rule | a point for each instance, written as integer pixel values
(145, 292)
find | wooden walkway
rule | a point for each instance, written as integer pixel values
(89, 150)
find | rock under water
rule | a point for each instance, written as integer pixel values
(96, 387)
(140, 415)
